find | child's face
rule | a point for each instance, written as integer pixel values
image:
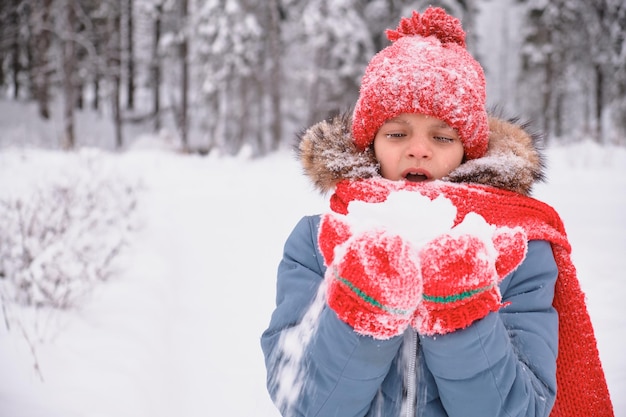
(416, 147)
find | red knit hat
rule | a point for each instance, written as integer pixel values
(428, 70)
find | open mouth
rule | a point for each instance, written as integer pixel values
(416, 177)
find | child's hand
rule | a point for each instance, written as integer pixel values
(381, 257)
(461, 277)
(373, 278)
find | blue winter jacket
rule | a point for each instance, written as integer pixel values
(501, 365)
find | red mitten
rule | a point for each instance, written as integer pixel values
(461, 276)
(374, 284)
(511, 245)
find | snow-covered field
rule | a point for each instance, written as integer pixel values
(177, 332)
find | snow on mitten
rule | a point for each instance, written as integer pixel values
(333, 231)
(374, 284)
(461, 275)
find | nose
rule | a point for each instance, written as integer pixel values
(419, 147)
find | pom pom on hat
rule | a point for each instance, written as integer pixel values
(433, 22)
(428, 70)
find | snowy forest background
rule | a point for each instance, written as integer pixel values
(222, 74)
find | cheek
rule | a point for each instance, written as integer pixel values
(458, 153)
(460, 156)
(454, 159)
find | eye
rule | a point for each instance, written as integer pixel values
(395, 135)
(444, 139)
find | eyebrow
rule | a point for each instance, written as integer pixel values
(444, 125)
(396, 120)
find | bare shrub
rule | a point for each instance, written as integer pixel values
(63, 235)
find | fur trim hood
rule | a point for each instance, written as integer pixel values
(513, 160)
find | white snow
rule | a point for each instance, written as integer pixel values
(429, 218)
(292, 346)
(177, 332)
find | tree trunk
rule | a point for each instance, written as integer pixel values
(79, 92)
(115, 69)
(546, 90)
(599, 101)
(2, 36)
(275, 75)
(15, 49)
(2, 76)
(95, 104)
(130, 63)
(41, 75)
(558, 114)
(156, 69)
(69, 68)
(184, 86)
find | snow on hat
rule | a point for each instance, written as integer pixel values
(427, 69)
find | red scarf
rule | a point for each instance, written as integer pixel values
(582, 389)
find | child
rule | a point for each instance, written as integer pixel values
(421, 318)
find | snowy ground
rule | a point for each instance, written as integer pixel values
(177, 334)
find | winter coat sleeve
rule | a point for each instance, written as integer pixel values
(504, 364)
(341, 370)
